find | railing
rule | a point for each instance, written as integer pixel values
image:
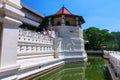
(114, 58)
(107, 53)
(30, 42)
(26, 36)
(94, 51)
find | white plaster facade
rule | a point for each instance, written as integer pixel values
(9, 20)
(70, 43)
(24, 52)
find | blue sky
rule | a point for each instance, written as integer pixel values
(104, 14)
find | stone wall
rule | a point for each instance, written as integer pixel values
(31, 43)
(69, 31)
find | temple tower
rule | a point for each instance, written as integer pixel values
(69, 35)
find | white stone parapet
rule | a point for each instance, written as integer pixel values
(27, 49)
(30, 42)
(114, 58)
(27, 36)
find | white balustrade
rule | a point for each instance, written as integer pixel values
(34, 37)
(26, 49)
(30, 42)
(114, 58)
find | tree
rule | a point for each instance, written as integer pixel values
(97, 39)
(117, 39)
(44, 24)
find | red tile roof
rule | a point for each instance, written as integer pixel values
(67, 13)
(63, 10)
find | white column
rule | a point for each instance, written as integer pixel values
(77, 21)
(49, 23)
(9, 37)
(63, 20)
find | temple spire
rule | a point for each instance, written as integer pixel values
(63, 10)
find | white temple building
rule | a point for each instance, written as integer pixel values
(68, 35)
(25, 51)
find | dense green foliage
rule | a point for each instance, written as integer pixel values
(117, 40)
(30, 27)
(97, 39)
(44, 24)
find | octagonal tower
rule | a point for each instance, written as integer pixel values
(68, 35)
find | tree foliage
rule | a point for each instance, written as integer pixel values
(97, 39)
(117, 39)
(44, 24)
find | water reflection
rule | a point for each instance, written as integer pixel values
(72, 72)
(66, 72)
(94, 69)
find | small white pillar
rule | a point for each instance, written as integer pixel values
(29, 49)
(77, 24)
(63, 20)
(38, 49)
(49, 23)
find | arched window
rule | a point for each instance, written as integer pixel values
(58, 23)
(67, 23)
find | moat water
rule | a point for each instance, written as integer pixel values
(94, 69)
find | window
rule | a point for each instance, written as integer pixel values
(71, 31)
(58, 23)
(67, 23)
